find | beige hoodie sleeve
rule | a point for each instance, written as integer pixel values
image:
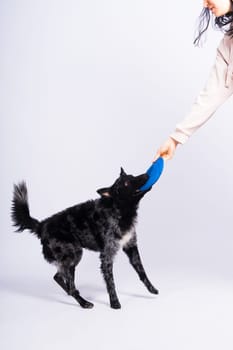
(218, 88)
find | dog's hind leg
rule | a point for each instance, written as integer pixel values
(58, 277)
(135, 260)
(73, 291)
(65, 278)
(66, 281)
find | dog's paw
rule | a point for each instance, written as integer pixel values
(87, 305)
(153, 290)
(115, 304)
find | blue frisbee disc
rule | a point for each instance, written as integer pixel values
(154, 173)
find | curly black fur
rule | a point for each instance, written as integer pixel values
(103, 225)
(20, 210)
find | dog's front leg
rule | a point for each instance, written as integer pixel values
(107, 270)
(135, 260)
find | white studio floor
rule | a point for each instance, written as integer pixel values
(193, 311)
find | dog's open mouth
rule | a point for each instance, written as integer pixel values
(140, 192)
(143, 181)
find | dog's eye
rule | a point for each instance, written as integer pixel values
(126, 183)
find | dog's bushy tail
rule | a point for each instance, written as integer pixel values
(20, 210)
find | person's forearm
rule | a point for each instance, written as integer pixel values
(215, 93)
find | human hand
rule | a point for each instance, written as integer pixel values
(167, 150)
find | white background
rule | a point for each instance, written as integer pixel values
(87, 87)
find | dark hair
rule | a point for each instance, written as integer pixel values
(224, 23)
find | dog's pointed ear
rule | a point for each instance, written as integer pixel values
(104, 192)
(122, 172)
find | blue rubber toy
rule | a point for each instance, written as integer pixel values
(154, 173)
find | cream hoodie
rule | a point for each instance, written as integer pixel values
(218, 89)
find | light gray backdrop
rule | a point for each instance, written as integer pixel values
(87, 87)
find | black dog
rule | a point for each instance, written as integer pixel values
(103, 225)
